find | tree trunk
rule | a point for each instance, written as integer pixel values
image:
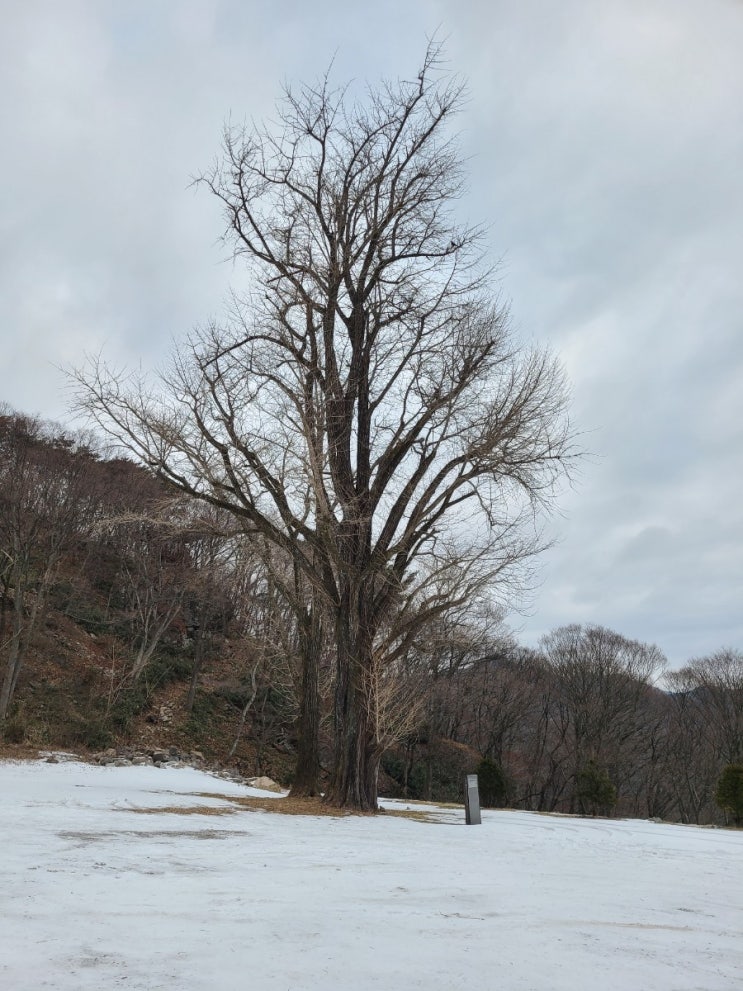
(150, 643)
(356, 770)
(356, 766)
(408, 765)
(198, 661)
(307, 770)
(9, 677)
(246, 709)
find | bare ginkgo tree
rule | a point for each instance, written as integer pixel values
(365, 401)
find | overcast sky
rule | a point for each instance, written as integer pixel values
(606, 154)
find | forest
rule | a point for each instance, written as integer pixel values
(131, 614)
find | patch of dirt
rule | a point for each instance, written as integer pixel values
(149, 834)
(186, 810)
(290, 806)
(419, 815)
(314, 807)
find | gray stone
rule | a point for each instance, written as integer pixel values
(472, 801)
(265, 784)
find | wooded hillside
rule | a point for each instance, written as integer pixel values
(130, 616)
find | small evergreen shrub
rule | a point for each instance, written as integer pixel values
(596, 794)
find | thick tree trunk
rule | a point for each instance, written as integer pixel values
(356, 770)
(356, 765)
(307, 771)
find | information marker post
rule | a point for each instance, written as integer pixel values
(472, 800)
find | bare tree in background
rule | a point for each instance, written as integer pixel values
(366, 399)
(48, 500)
(714, 685)
(207, 606)
(602, 680)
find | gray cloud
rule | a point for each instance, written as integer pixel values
(605, 143)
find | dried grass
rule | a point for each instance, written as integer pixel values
(419, 815)
(186, 810)
(293, 806)
(316, 807)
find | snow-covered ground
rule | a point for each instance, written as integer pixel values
(95, 895)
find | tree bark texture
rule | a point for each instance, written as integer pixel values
(306, 781)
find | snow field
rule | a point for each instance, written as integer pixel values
(97, 894)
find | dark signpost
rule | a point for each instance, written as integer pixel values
(472, 800)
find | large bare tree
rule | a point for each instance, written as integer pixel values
(365, 401)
